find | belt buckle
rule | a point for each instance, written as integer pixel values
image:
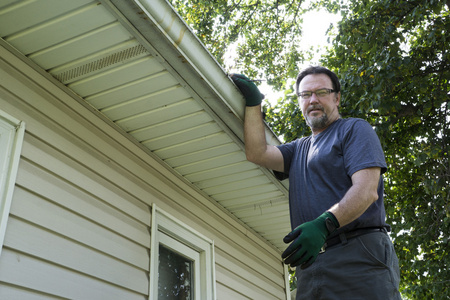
(323, 249)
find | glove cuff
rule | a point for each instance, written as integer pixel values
(331, 222)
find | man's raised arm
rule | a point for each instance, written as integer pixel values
(256, 148)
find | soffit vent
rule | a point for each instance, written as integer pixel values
(99, 64)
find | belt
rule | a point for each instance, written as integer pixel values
(343, 237)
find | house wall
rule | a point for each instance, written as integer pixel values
(79, 225)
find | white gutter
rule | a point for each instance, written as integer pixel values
(144, 15)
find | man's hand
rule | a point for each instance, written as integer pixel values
(250, 91)
(308, 239)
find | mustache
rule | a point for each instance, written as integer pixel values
(314, 107)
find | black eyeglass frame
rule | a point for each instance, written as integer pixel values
(310, 93)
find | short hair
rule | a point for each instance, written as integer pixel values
(318, 70)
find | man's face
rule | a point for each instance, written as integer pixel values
(319, 112)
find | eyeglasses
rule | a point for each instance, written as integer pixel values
(319, 93)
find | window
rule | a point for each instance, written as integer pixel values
(181, 261)
(11, 137)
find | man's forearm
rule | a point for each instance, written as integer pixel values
(359, 197)
(256, 148)
(255, 138)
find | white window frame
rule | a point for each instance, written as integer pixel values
(179, 237)
(11, 138)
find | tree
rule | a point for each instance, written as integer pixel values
(394, 64)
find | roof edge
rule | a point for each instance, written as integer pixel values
(178, 37)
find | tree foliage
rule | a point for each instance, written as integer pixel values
(262, 32)
(394, 64)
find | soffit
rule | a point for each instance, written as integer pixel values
(123, 63)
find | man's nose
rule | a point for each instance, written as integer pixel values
(314, 99)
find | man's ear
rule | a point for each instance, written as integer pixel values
(338, 98)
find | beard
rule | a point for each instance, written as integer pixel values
(317, 123)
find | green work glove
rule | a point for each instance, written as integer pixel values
(308, 239)
(249, 89)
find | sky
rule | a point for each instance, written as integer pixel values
(315, 25)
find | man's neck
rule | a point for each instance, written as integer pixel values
(320, 130)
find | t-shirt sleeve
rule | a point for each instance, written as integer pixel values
(287, 150)
(362, 148)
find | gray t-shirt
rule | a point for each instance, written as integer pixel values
(320, 169)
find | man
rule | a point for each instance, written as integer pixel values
(339, 241)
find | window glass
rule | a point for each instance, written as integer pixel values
(175, 278)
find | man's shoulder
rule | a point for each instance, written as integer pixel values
(349, 124)
(352, 121)
(299, 140)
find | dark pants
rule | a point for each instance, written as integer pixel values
(363, 268)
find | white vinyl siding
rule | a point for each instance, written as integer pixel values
(80, 218)
(71, 232)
